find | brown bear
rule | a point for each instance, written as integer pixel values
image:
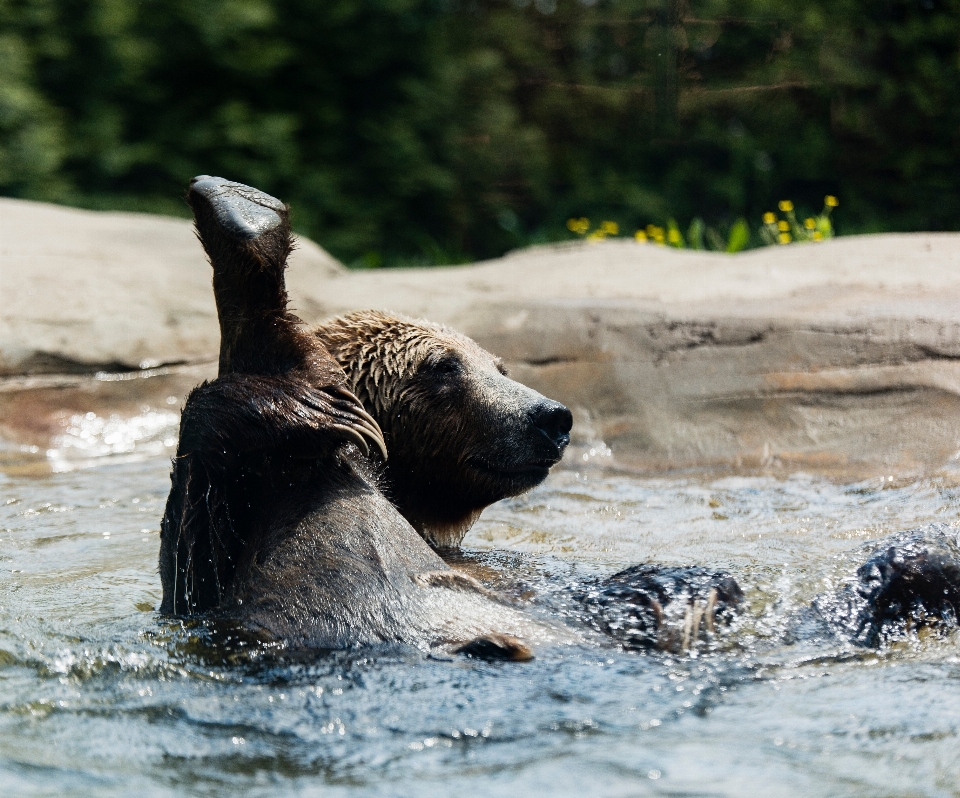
(460, 433)
(275, 516)
(462, 436)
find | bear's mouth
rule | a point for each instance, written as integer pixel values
(530, 468)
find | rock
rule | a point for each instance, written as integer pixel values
(842, 356)
(85, 291)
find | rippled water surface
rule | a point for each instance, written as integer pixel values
(100, 696)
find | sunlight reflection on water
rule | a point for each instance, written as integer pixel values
(89, 437)
(101, 696)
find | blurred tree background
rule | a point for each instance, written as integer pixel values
(429, 131)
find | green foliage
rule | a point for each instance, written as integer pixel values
(739, 237)
(425, 131)
(699, 236)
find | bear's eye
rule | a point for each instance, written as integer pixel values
(446, 365)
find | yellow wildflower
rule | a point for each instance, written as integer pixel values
(573, 225)
(783, 226)
(652, 230)
(831, 201)
(784, 238)
(596, 235)
(818, 236)
(610, 228)
(786, 206)
(641, 237)
(769, 218)
(809, 223)
(674, 236)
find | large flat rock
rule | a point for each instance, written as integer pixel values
(81, 291)
(841, 356)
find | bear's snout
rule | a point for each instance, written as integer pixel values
(554, 420)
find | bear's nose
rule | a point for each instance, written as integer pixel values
(553, 420)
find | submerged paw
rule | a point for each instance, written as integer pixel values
(911, 581)
(648, 606)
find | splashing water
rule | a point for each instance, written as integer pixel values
(101, 696)
(89, 437)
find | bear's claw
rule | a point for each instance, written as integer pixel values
(361, 423)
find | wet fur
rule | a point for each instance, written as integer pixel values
(461, 434)
(908, 582)
(444, 403)
(275, 516)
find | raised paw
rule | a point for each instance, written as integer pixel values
(240, 211)
(239, 413)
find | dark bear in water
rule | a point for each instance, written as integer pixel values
(443, 470)
(462, 435)
(275, 516)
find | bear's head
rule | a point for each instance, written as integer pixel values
(461, 434)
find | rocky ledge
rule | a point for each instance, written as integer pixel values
(842, 356)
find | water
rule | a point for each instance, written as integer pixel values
(101, 696)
